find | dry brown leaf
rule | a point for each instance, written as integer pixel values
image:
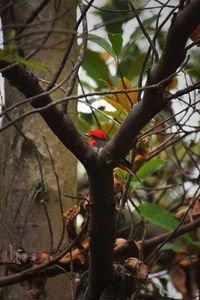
(132, 264)
(142, 273)
(70, 217)
(178, 278)
(138, 162)
(124, 248)
(184, 258)
(188, 261)
(42, 257)
(117, 184)
(78, 255)
(142, 153)
(120, 243)
(137, 268)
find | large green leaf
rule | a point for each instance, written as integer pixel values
(134, 68)
(113, 21)
(157, 215)
(96, 67)
(147, 170)
(102, 43)
(132, 55)
(116, 41)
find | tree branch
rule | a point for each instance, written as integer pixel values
(121, 252)
(129, 249)
(60, 124)
(101, 229)
(34, 271)
(153, 101)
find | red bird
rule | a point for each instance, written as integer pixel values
(97, 140)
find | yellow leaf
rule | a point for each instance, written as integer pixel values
(105, 55)
(115, 104)
(116, 115)
(109, 129)
(107, 84)
(127, 100)
(173, 84)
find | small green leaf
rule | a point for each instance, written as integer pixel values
(96, 67)
(157, 215)
(193, 245)
(11, 47)
(106, 13)
(102, 43)
(116, 41)
(31, 64)
(147, 170)
(13, 58)
(83, 125)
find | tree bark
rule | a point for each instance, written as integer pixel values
(101, 229)
(30, 189)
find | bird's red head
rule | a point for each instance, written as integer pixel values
(96, 135)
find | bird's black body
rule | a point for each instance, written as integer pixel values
(99, 141)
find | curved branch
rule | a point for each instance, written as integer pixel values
(183, 24)
(34, 271)
(60, 124)
(125, 250)
(128, 249)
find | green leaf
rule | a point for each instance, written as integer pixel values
(150, 167)
(116, 41)
(113, 22)
(193, 245)
(11, 47)
(147, 170)
(102, 43)
(116, 115)
(135, 66)
(157, 215)
(96, 67)
(175, 246)
(83, 124)
(30, 64)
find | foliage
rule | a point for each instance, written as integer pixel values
(162, 197)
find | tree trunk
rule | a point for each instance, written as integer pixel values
(31, 213)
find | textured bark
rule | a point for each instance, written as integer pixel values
(24, 222)
(101, 230)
